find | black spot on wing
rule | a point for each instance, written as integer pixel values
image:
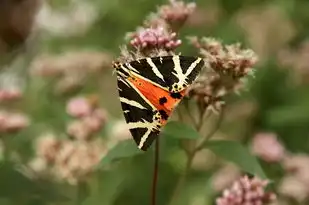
(162, 100)
(176, 95)
(138, 133)
(164, 115)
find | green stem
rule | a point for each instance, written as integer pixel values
(191, 155)
(155, 173)
(210, 134)
(181, 181)
(6, 147)
(81, 192)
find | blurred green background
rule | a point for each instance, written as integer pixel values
(89, 35)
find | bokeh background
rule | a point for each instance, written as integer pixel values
(56, 66)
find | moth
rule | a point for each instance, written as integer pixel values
(150, 89)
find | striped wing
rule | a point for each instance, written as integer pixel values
(167, 71)
(138, 113)
(149, 90)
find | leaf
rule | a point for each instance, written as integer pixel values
(235, 152)
(180, 131)
(123, 149)
(83, 191)
(15, 185)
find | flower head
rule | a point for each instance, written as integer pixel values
(79, 107)
(246, 191)
(10, 95)
(294, 188)
(227, 69)
(47, 147)
(267, 146)
(177, 12)
(12, 122)
(154, 38)
(76, 160)
(228, 60)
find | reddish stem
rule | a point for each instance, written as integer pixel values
(155, 173)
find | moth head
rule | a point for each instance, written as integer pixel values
(116, 64)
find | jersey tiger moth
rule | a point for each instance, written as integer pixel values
(150, 89)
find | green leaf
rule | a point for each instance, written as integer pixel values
(124, 149)
(180, 131)
(235, 152)
(17, 186)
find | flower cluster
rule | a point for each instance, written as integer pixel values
(9, 95)
(246, 191)
(159, 37)
(65, 159)
(295, 184)
(74, 21)
(176, 13)
(298, 60)
(90, 118)
(12, 121)
(227, 68)
(159, 32)
(71, 68)
(75, 158)
(267, 147)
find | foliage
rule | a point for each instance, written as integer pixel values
(63, 137)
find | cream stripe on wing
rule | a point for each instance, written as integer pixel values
(154, 69)
(154, 83)
(145, 124)
(144, 138)
(123, 81)
(179, 74)
(132, 103)
(132, 68)
(192, 66)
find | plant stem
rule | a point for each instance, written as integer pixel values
(155, 173)
(181, 180)
(210, 134)
(191, 154)
(186, 105)
(82, 192)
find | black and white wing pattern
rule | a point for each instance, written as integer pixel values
(144, 114)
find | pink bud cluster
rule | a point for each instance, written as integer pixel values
(267, 147)
(66, 160)
(90, 118)
(159, 32)
(154, 38)
(12, 121)
(8, 95)
(71, 68)
(226, 69)
(229, 60)
(246, 191)
(176, 12)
